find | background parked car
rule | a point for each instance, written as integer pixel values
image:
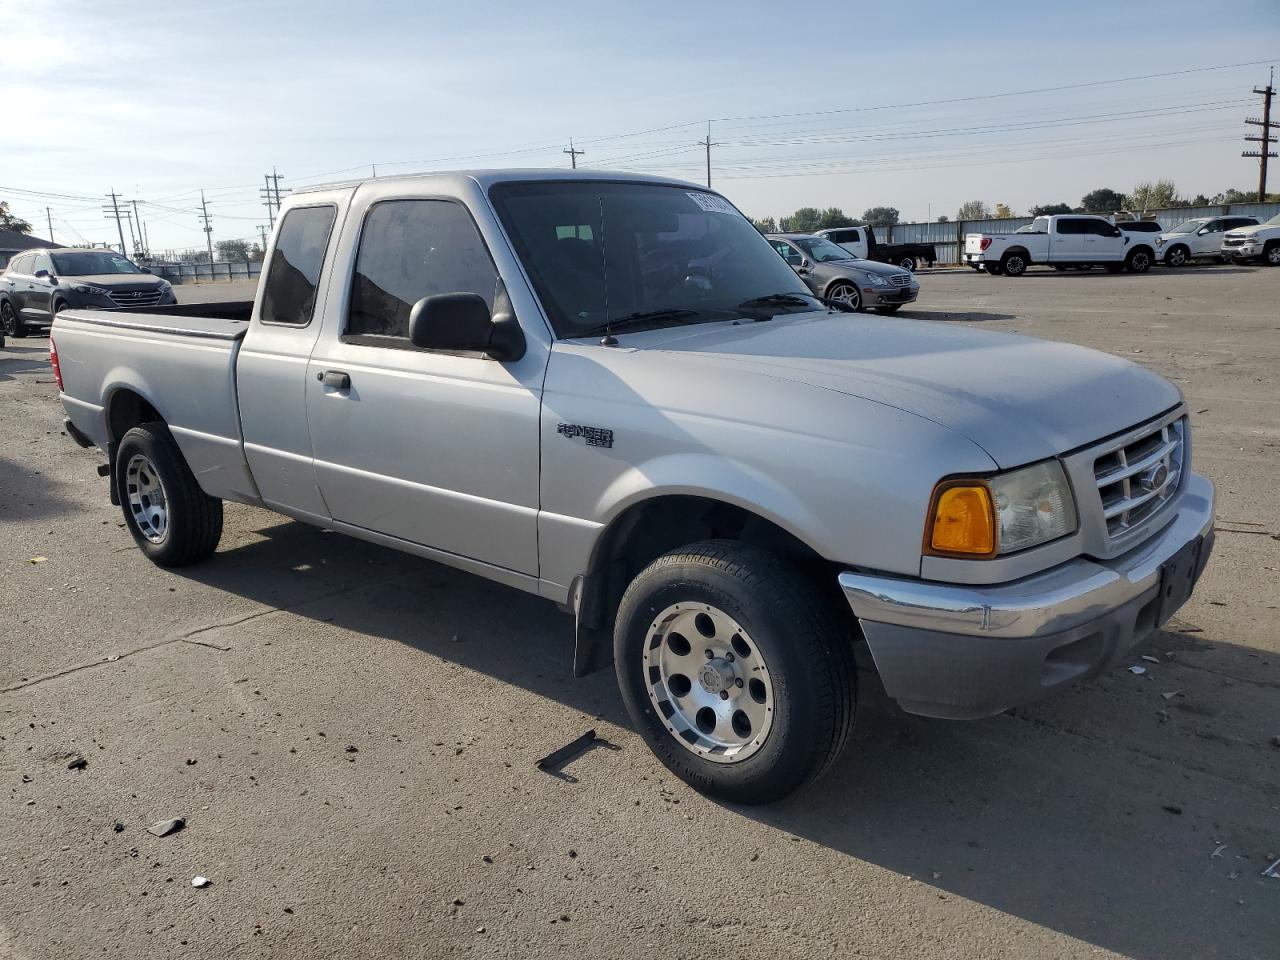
(1250, 242)
(1197, 237)
(39, 283)
(832, 274)
(861, 242)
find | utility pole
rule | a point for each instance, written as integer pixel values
(208, 230)
(262, 232)
(115, 211)
(573, 154)
(708, 144)
(138, 219)
(49, 219)
(266, 195)
(1267, 138)
(275, 179)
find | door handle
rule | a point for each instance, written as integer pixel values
(335, 379)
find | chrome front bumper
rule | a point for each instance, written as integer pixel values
(970, 651)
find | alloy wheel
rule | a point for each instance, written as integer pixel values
(709, 683)
(146, 496)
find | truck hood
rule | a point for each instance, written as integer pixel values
(1019, 398)
(1251, 229)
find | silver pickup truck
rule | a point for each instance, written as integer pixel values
(610, 391)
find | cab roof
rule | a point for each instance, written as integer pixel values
(487, 178)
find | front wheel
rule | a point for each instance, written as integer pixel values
(11, 322)
(1271, 256)
(1176, 257)
(736, 671)
(846, 294)
(1138, 261)
(172, 520)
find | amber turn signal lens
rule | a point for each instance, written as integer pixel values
(963, 521)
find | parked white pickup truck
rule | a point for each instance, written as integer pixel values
(1260, 242)
(610, 391)
(1059, 240)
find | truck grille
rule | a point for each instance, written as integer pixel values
(898, 280)
(1230, 241)
(135, 298)
(1139, 478)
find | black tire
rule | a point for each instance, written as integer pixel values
(193, 519)
(888, 308)
(1113, 267)
(1271, 254)
(12, 323)
(847, 293)
(1138, 261)
(795, 630)
(1177, 256)
(55, 308)
(1013, 264)
(908, 264)
(994, 269)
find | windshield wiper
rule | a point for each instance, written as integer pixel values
(768, 298)
(636, 319)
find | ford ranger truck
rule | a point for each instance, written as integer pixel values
(1059, 241)
(610, 391)
(1259, 242)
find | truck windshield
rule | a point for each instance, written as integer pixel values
(1274, 221)
(822, 251)
(601, 252)
(1189, 226)
(91, 264)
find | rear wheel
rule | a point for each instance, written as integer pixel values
(736, 671)
(172, 520)
(1138, 261)
(12, 323)
(846, 294)
(994, 269)
(1013, 265)
(1176, 256)
(908, 263)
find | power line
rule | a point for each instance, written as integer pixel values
(1266, 139)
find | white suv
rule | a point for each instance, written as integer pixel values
(1197, 237)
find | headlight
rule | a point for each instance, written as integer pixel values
(1159, 241)
(875, 280)
(983, 518)
(89, 288)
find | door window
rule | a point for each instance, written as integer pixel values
(1101, 228)
(289, 296)
(1073, 225)
(789, 253)
(22, 263)
(410, 249)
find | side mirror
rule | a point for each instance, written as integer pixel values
(461, 322)
(41, 274)
(1202, 231)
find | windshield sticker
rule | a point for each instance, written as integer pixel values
(712, 204)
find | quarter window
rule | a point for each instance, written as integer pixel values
(289, 295)
(410, 249)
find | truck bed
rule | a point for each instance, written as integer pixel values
(182, 361)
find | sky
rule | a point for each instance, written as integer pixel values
(920, 106)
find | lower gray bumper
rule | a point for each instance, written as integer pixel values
(954, 651)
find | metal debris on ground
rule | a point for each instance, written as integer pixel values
(1217, 853)
(166, 827)
(1150, 659)
(1273, 871)
(77, 763)
(1138, 670)
(200, 882)
(1171, 694)
(1172, 808)
(553, 761)
(38, 560)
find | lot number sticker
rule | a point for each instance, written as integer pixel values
(712, 204)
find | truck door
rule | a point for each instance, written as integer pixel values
(851, 239)
(1104, 242)
(271, 367)
(1066, 243)
(438, 448)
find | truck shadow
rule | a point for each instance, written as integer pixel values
(1094, 814)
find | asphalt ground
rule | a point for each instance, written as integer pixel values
(350, 733)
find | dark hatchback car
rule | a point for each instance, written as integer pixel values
(39, 283)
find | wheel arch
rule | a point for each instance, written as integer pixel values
(1022, 250)
(648, 528)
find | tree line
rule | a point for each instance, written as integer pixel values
(1148, 195)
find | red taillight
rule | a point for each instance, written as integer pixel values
(53, 362)
(986, 242)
